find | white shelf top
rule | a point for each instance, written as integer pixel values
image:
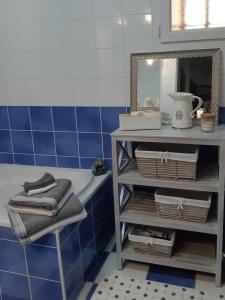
(167, 132)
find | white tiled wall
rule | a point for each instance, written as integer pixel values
(70, 52)
(74, 52)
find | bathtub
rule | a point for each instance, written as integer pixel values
(12, 177)
(59, 263)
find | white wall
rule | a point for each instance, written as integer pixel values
(75, 52)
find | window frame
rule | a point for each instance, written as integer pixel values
(166, 35)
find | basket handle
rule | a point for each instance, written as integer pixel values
(180, 203)
(164, 156)
(151, 242)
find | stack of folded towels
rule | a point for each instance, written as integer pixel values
(43, 206)
(44, 197)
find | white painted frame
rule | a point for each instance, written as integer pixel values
(167, 36)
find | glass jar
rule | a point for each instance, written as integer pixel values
(208, 122)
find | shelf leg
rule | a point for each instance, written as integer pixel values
(116, 204)
(220, 212)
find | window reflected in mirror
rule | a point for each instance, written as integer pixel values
(156, 78)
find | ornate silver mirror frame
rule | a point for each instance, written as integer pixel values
(214, 53)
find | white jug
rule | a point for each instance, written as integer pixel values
(183, 112)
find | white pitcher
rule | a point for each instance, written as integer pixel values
(183, 112)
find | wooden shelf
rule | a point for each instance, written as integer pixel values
(207, 179)
(141, 210)
(198, 256)
(189, 255)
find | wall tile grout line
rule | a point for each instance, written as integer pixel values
(74, 20)
(100, 112)
(28, 277)
(82, 267)
(77, 134)
(60, 264)
(32, 136)
(10, 132)
(54, 138)
(31, 276)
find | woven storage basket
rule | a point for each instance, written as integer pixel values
(186, 205)
(154, 246)
(168, 161)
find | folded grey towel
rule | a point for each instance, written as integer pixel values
(42, 190)
(45, 180)
(28, 228)
(48, 200)
(22, 209)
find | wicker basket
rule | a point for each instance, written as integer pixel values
(154, 246)
(167, 161)
(186, 205)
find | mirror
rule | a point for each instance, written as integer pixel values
(154, 75)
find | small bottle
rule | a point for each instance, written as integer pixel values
(208, 122)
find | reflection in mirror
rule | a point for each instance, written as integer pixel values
(156, 78)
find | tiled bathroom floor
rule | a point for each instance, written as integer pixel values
(157, 274)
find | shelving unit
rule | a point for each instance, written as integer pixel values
(140, 206)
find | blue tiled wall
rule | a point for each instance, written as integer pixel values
(71, 137)
(33, 270)
(57, 136)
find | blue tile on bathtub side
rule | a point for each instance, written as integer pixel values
(100, 262)
(4, 121)
(44, 142)
(41, 118)
(45, 289)
(64, 118)
(88, 205)
(74, 282)
(46, 160)
(99, 212)
(19, 283)
(67, 230)
(12, 257)
(102, 239)
(42, 262)
(6, 158)
(66, 143)
(19, 117)
(90, 144)
(68, 162)
(88, 119)
(5, 145)
(7, 234)
(110, 118)
(89, 259)
(22, 142)
(70, 250)
(86, 230)
(24, 159)
(47, 240)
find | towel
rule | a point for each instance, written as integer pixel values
(45, 180)
(23, 209)
(42, 190)
(29, 228)
(48, 200)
